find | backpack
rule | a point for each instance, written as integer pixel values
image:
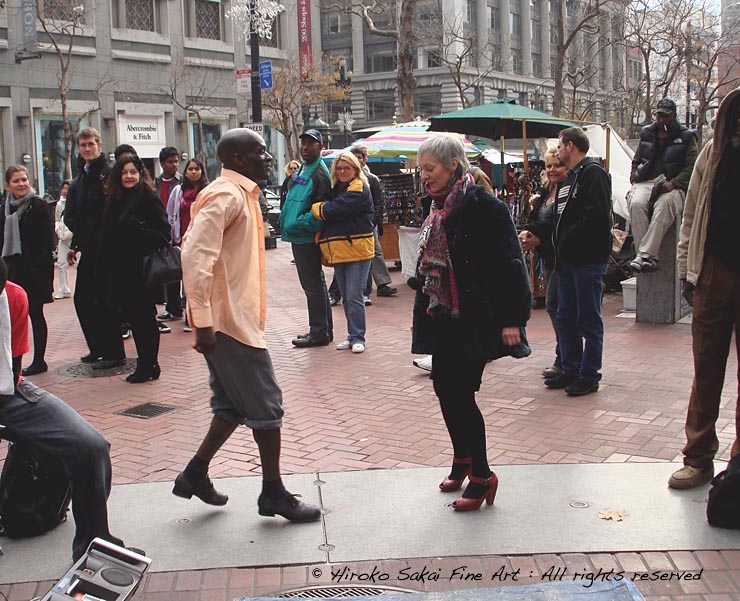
(35, 493)
(723, 507)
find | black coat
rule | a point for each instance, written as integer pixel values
(34, 269)
(133, 226)
(85, 201)
(492, 282)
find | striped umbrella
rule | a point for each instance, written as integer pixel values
(405, 139)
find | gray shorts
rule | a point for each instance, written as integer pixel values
(243, 383)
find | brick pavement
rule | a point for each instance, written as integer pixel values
(375, 410)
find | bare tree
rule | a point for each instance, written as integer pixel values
(193, 90)
(654, 29)
(461, 52)
(401, 29)
(292, 92)
(583, 18)
(62, 26)
(705, 79)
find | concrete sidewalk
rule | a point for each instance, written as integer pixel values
(354, 413)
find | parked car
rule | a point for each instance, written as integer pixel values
(273, 213)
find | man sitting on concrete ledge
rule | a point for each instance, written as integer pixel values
(661, 169)
(46, 424)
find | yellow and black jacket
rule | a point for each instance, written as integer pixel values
(347, 235)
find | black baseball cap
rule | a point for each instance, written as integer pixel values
(314, 134)
(666, 106)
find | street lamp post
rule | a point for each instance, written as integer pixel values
(345, 119)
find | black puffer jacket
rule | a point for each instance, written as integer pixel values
(492, 281)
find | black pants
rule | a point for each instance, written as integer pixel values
(456, 380)
(141, 312)
(100, 326)
(40, 330)
(174, 299)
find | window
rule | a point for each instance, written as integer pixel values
(381, 105)
(493, 18)
(211, 135)
(516, 60)
(63, 10)
(536, 65)
(515, 24)
(207, 19)
(276, 40)
(427, 58)
(380, 58)
(427, 103)
(470, 11)
(141, 15)
(336, 22)
(50, 139)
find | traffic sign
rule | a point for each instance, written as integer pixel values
(244, 81)
(257, 127)
(266, 75)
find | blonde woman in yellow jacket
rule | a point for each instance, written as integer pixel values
(346, 241)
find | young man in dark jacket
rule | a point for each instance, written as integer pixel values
(83, 215)
(579, 224)
(311, 184)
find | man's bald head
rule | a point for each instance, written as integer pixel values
(243, 150)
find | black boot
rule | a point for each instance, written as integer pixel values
(144, 373)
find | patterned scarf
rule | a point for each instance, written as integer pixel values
(12, 233)
(434, 262)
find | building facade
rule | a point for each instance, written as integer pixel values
(151, 72)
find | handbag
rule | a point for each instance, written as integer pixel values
(163, 266)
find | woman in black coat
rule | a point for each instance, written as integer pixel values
(134, 225)
(473, 300)
(27, 241)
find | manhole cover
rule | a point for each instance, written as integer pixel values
(338, 592)
(147, 410)
(85, 370)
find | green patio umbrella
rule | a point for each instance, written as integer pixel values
(501, 119)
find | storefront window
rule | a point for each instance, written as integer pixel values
(51, 144)
(211, 136)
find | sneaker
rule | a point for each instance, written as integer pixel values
(581, 387)
(358, 347)
(386, 290)
(424, 363)
(62, 295)
(125, 334)
(690, 477)
(649, 265)
(187, 328)
(163, 328)
(333, 300)
(167, 316)
(636, 264)
(344, 346)
(367, 300)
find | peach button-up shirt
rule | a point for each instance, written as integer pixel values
(223, 260)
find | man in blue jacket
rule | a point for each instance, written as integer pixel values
(579, 224)
(310, 184)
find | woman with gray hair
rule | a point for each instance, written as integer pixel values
(473, 300)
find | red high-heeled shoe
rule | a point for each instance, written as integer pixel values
(463, 504)
(448, 485)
